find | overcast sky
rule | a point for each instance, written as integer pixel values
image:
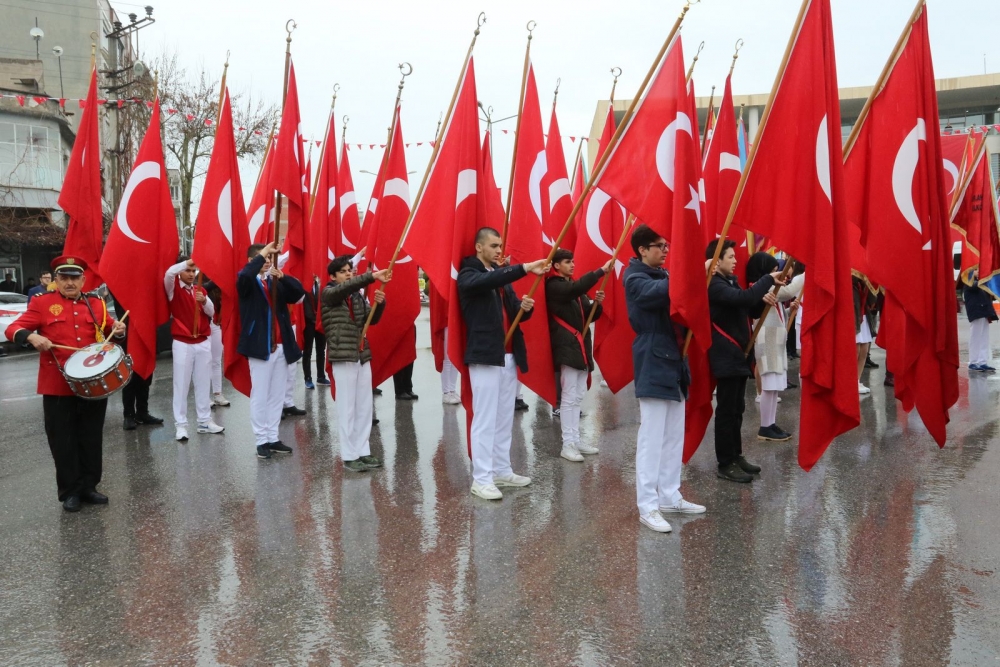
(360, 44)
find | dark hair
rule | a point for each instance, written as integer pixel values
(726, 245)
(254, 250)
(759, 265)
(337, 263)
(484, 233)
(45, 273)
(183, 258)
(561, 255)
(643, 236)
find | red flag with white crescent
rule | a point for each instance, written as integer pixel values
(221, 239)
(145, 228)
(350, 221)
(556, 194)
(260, 212)
(324, 219)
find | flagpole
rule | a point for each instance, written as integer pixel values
(614, 258)
(704, 139)
(579, 154)
(967, 180)
(322, 155)
(883, 77)
(690, 72)
(789, 265)
(603, 158)
(437, 148)
(517, 138)
(277, 203)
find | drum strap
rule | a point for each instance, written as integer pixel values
(98, 330)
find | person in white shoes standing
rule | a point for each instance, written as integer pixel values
(190, 328)
(572, 350)
(489, 306)
(661, 384)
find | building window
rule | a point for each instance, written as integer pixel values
(30, 156)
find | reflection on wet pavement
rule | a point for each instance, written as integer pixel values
(887, 553)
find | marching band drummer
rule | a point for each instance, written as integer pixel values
(74, 426)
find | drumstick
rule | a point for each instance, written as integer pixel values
(122, 320)
(67, 347)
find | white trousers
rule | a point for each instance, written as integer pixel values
(493, 392)
(979, 341)
(192, 361)
(216, 340)
(658, 453)
(354, 407)
(449, 374)
(768, 407)
(289, 399)
(574, 386)
(267, 394)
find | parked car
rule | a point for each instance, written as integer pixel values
(12, 305)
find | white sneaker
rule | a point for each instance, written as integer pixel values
(182, 434)
(220, 400)
(511, 480)
(863, 389)
(683, 507)
(451, 398)
(654, 521)
(210, 427)
(571, 454)
(587, 449)
(486, 491)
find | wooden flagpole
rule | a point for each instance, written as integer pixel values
(789, 265)
(579, 153)
(602, 160)
(604, 281)
(437, 148)
(753, 152)
(322, 155)
(517, 138)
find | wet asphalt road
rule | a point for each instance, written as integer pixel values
(885, 554)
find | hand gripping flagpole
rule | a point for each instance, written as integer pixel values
(406, 69)
(789, 265)
(480, 21)
(753, 153)
(517, 138)
(598, 168)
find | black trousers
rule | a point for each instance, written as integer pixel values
(730, 405)
(74, 427)
(135, 396)
(315, 339)
(403, 380)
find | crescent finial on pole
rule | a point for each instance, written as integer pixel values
(555, 95)
(336, 89)
(694, 62)
(480, 22)
(531, 25)
(615, 72)
(736, 54)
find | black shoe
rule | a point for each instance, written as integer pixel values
(148, 419)
(519, 404)
(371, 461)
(890, 380)
(375, 420)
(747, 467)
(376, 391)
(292, 412)
(279, 447)
(734, 473)
(94, 498)
(772, 434)
(406, 396)
(792, 385)
(263, 452)
(72, 504)
(793, 355)
(781, 430)
(128, 424)
(870, 364)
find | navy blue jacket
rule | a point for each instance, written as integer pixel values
(978, 304)
(660, 370)
(730, 306)
(479, 291)
(255, 313)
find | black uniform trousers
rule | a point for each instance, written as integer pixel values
(313, 339)
(74, 427)
(730, 399)
(402, 381)
(135, 396)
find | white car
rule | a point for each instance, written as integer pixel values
(12, 305)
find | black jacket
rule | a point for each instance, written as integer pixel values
(567, 300)
(479, 295)
(978, 304)
(255, 313)
(730, 308)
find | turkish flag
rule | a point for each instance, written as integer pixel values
(394, 339)
(80, 196)
(366, 226)
(556, 195)
(794, 194)
(145, 228)
(447, 216)
(350, 221)
(526, 241)
(324, 219)
(975, 217)
(439, 322)
(288, 177)
(221, 239)
(722, 174)
(897, 185)
(261, 209)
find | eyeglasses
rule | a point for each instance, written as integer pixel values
(662, 245)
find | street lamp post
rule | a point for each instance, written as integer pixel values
(58, 50)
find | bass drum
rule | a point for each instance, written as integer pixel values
(98, 370)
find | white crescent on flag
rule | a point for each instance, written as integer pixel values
(142, 172)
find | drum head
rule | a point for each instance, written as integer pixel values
(93, 361)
